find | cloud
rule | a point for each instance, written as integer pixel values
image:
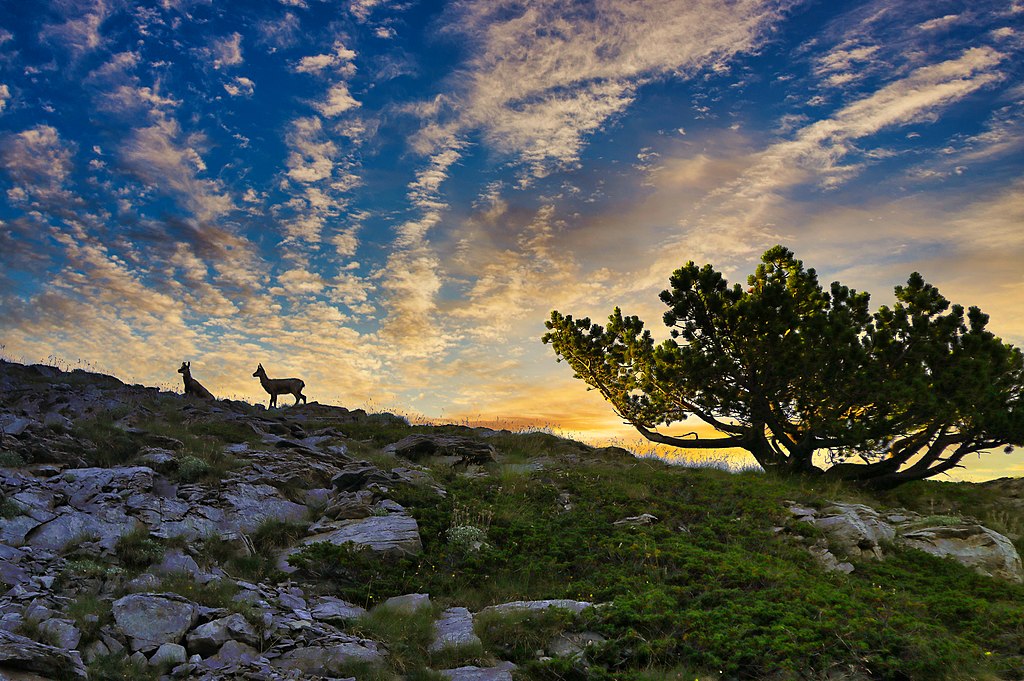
(160, 159)
(338, 101)
(226, 51)
(279, 33)
(5, 96)
(340, 59)
(361, 9)
(240, 87)
(38, 164)
(312, 153)
(79, 34)
(544, 75)
(939, 22)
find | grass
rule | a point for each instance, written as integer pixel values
(137, 550)
(90, 613)
(118, 667)
(710, 586)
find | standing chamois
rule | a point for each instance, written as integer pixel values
(192, 386)
(280, 386)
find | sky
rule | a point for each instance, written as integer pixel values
(387, 198)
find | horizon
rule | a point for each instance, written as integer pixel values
(386, 199)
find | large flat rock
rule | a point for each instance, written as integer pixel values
(394, 534)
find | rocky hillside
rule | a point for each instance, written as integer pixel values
(145, 535)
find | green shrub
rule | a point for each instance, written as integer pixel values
(218, 593)
(136, 549)
(118, 667)
(9, 508)
(192, 468)
(518, 635)
(90, 613)
(10, 459)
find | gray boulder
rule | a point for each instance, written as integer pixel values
(232, 653)
(330, 609)
(979, 548)
(575, 607)
(149, 620)
(454, 629)
(501, 672)
(460, 450)
(106, 524)
(20, 652)
(859, 530)
(407, 603)
(63, 633)
(392, 535)
(329, 659)
(168, 655)
(208, 638)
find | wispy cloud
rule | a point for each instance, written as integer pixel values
(226, 51)
(543, 78)
(240, 87)
(159, 157)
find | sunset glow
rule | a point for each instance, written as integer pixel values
(387, 198)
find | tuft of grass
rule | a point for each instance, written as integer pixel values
(90, 613)
(215, 594)
(405, 634)
(9, 508)
(30, 628)
(519, 635)
(137, 550)
(267, 540)
(118, 667)
(11, 459)
(112, 445)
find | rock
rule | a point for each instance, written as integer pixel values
(177, 561)
(329, 660)
(857, 529)
(979, 548)
(146, 582)
(94, 650)
(638, 520)
(63, 633)
(250, 505)
(24, 653)
(463, 450)
(572, 644)
(330, 609)
(14, 425)
(357, 475)
(575, 607)
(230, 654)
(208, 638)
(150, 620)
(827, 560)
(159, 459)
(106, 525)
(408, 603)
(500, 672)
(454, 629)
(392, 535)
(168, 655)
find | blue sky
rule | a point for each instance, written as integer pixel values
(387, 198)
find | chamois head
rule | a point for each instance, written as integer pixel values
(185, 366)
(259, 370)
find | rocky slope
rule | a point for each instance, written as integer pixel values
(130, 516)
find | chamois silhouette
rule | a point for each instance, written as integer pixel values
(192, 386)
(280, 386)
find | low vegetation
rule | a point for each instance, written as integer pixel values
(718, 585)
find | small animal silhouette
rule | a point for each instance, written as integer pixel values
(280, 386)
(192, 386)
